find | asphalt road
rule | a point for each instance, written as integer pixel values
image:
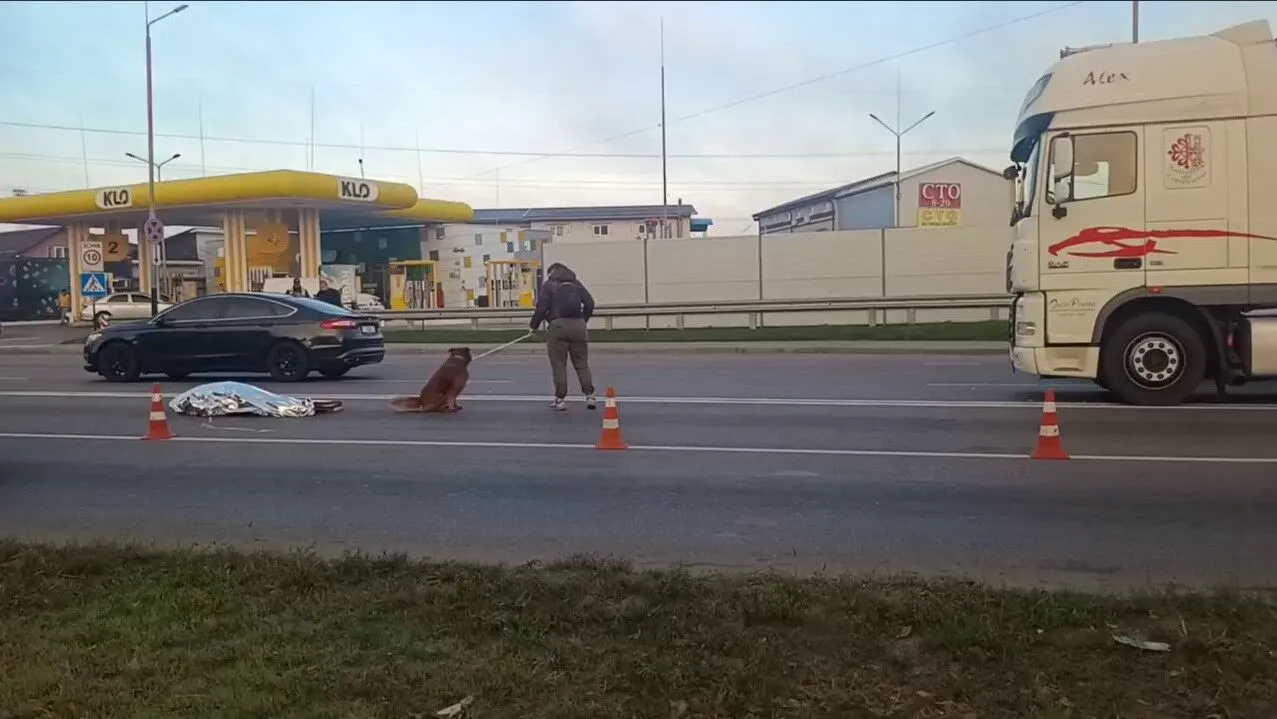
(800, 462)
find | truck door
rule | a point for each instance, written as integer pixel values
(1092, 229)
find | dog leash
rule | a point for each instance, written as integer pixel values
(494, 350)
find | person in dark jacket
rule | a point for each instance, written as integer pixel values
(328, 294)
(565, 305)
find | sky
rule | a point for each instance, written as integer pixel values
(765, 102)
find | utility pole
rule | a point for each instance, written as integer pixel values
(150, 141)
(899, 134)
(1135, 21)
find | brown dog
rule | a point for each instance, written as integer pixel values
(442, 389)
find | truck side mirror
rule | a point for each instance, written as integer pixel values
(1061, 157)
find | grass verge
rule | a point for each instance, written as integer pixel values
(939, 332)
(107, 631)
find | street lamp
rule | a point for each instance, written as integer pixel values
(159, 166)
(150, 134)
(159, 177)
(899, 134)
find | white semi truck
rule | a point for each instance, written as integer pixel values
(1145, 228)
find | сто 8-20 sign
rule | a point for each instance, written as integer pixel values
(940, 195)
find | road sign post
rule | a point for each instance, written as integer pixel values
(91, 258)
(153, 229)
(94, 286)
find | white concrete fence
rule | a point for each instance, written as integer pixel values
(899, 276)
(749, 313)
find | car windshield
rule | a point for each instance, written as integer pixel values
(320, 305)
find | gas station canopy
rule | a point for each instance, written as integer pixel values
(343, 201)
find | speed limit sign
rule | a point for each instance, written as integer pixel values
(91, 256)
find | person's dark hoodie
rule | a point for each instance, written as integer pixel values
(545, 302)
(329, 295)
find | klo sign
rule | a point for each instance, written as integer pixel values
(114, 198)
(357, 190)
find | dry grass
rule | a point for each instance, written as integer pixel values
(102, 631)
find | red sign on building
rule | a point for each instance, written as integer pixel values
(939, 204)
(940, 195)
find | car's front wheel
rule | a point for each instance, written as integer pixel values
(287, 362)
(118, 362)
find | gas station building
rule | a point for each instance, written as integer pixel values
(268, 219)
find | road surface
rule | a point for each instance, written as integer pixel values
(798, 462)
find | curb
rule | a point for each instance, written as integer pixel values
(635, 348)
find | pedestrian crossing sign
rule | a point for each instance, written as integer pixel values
(93, 285)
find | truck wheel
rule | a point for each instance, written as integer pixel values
(1154, 359)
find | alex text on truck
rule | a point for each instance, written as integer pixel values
(1144, 249)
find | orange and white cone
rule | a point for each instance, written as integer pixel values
(611, 437)
(1049, 445)
(158, 428)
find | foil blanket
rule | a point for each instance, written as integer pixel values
(222, 399)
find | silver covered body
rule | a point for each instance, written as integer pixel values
(222, 399)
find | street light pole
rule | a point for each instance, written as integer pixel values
(899, 134)
(150, 137)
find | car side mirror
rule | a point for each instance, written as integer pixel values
(159, 321)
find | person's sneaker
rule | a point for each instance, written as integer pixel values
(559, 405)
(590, 402)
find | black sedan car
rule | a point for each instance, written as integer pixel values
(287, 337)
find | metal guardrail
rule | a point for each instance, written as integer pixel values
(754, 308)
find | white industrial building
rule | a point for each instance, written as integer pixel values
(952, 193)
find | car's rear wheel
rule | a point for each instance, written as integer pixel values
(334, 371)
(117, 362)
(287, 362)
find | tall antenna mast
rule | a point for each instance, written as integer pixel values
(665, 187)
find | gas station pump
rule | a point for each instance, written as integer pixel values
(513, 283)
(413, 285)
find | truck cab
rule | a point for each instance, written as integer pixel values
(1145, 222)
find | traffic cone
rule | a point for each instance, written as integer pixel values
(1049, 446)
(611, 437)
(158, 428)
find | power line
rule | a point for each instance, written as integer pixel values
(812, 81)
(456, 151)
(517, 182)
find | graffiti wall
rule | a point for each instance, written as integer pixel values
(29, 288)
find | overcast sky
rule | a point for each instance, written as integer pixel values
(483, 87)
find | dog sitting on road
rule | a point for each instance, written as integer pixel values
(442, 389)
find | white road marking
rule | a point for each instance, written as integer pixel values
(1021, 385)
(1034, 404)
(13, 379)
(420, 382)
(919, 454)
